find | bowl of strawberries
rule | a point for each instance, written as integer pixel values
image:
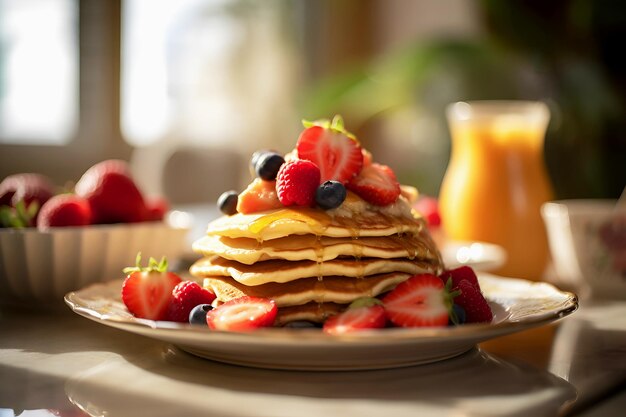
(53, 242)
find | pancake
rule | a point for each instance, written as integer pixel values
(329, 289)
(355, 219)
(314, 248)
(314, 312)
(282, 271)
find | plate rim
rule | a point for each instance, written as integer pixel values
(393, 336)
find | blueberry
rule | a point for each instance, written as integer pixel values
(198, 314)
(267, 165)
(227, 202)
(460, 314)
(301, 324)
(330, 195)
(255, 158)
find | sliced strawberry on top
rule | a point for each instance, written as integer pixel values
(363, 314)
(147, 292)
(377, 184)
(243, 314)
(259, 196)
(335, 151)
(420, 301)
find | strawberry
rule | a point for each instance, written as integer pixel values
(363, 314)
(297, 182)
(376, 184)
(428, 207)
(476, 307)
(147, 292)
(367, 157)
(420, 301)
(27, 188)
(243, 314)
(185, 296)
(113, 195)
(459, 274)
(19, 216)
(259, 196)
(64, 210)
(335, 151)
(156, 207)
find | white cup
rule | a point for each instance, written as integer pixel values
(587, 240)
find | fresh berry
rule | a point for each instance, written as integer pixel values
(227, 202)
(255, 158)
(420, 301)
(19, 216)
(428, 207)
(330, 195)
(476, 307)
(185, 296)
(367, 157)
(259, 196)
(197, 315)
(301, 324)
(267, 166)
(297, 182)
(27, 188)
(64, 210)
(457, 316)
(113, 195)
(459, 274)
(243, 314)
(336, 152)
(376, 184)
(362, 314)
(147, 292)
(156, 207)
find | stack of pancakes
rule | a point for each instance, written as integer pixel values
(312, 262)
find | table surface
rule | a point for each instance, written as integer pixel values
(63, 364)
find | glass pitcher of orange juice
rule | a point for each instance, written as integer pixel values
(496, 181)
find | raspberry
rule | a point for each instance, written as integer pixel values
(297, 182)
(186, 295)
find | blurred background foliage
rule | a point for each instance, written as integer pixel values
(568, 53)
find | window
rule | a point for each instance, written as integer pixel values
(38, 71)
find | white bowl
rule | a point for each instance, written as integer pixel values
(42, 267)
(583, 258)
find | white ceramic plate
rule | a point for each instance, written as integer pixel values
(517, 305)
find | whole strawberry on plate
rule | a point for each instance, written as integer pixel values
(147, 291)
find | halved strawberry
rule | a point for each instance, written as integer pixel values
(420, 301)
(243, 314)
(147, 292)
(259, 196)
(362, 314)
(335, 151)
(377, 184)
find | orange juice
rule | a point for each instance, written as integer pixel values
(496, 181)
